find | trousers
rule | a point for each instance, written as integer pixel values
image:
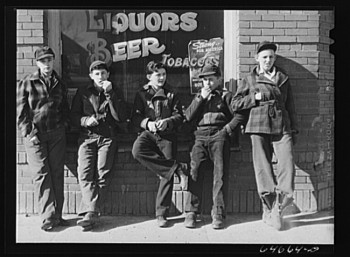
(95, 162)
(158, 155)
(263, 147)
(46, 161)
(210, 145)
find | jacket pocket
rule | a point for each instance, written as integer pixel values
(265, 118)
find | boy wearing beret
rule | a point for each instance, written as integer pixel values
(215, 122)
(42, 114)
(96, 110)
(272, 124)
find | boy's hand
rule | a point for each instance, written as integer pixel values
(34, 140)
(161, 125)
(152, 126)
(91, 122)
(205, 92)
(106, 85)
(258, 96)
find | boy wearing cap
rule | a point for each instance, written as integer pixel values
(272, 124)
(42, 114)
(215, 122)
(96, 110)
(157, 113)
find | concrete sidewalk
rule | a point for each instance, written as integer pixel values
(302, 228)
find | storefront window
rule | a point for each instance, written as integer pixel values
(128, 39)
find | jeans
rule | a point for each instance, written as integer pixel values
(158, 155)
(263, 146)
(213, 145)
(46, 161)
(95, 162)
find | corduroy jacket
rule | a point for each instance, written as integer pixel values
(275, 112)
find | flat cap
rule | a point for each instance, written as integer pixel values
(266, 45)
(96, 63)
(43, 52)
(209, 69)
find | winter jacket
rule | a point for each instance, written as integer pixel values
(109, 108)
(41, 107)
(275, 112)
(150, 105)
(214, 112)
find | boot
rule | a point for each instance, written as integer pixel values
(218, 221)
(271, 210)
(89, 220)
(162, 221)
(190, 220)
(285, 201)
(267, 201)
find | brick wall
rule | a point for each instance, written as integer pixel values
(303, 47)
(303, 51)
(31, 33)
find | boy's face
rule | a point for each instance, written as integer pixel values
(211, 82)
(266, 59)
(98, 76)
(45, 65)
(157, 78)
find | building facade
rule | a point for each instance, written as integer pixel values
(128, 39)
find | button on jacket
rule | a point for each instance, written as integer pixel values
(41, 106)
(108, 108)
(152, 106)
(277, 92)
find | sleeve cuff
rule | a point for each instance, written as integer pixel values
(170, 124)
(83, 121)
(199, 98)
(144, 123)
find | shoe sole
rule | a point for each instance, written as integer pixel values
(190, 226)
(49, 226)
(87, 228)
(218, 227)
(84, 223)
(163, 225)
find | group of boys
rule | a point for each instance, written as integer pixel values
(263, 103)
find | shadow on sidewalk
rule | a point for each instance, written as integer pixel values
(307, 219)
(71, 223)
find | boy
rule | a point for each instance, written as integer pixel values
(42, 114)
(215, 123)
(272, 124)
(157, 112)
(96, 109)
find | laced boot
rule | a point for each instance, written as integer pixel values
(267, 203)
(271, 210)
(190, 220)
(218, 221)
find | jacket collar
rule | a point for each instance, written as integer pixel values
(281, 77)
(36, 75)
(92, 88)
(150, 90)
